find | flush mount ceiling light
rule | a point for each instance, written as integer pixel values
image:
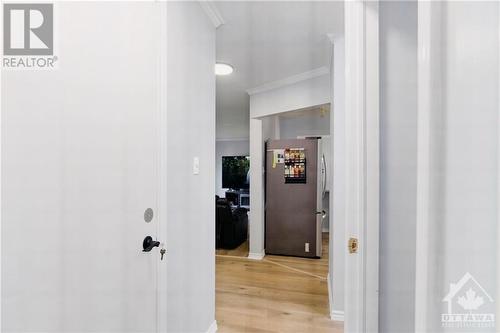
(223, 69)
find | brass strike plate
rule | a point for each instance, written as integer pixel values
(353, 245)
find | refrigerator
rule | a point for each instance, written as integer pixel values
(295, 184)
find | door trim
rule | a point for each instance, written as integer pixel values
(1, 199)
(362, 165)
(162, 165)
(498, 191)
(423, 156)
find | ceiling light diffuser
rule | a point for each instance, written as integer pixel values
(223, 69)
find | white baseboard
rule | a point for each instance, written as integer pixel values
(330, 294)
(256, 256)
(334, 314)
(213, 327)
(337, 315)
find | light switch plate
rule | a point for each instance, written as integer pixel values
(196, 165)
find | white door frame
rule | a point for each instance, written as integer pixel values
(498, 194)
(362, 165)
(425, 47)
(162, 167)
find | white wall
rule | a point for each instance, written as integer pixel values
(463, 154)
(303, 94)
(398, 161)
(233, 125)
(256, 216)
(337, 194)
(308, 123)
(191, 132)
(269, 129)
(227, 148)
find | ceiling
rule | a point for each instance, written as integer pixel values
(267, 41)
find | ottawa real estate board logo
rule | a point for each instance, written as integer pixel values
(469, 306)
(28, 36)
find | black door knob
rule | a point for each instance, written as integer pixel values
(149, 243)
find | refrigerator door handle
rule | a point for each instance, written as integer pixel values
(322, 213)
(323, 161)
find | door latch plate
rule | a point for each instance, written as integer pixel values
(353, 245)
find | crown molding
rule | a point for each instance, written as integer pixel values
(290, 80)
(212, 12)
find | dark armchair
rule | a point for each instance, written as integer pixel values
(231, 225)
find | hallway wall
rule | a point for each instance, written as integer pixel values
(308, 123)
(462, 173)
(459, 183)
(191, 132)
(398, 163)
(337, 182)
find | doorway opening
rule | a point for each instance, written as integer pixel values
(278, 88)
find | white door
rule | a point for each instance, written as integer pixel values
(79, 169)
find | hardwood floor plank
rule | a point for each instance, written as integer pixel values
(277, 294)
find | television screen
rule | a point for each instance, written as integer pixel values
(235, 172)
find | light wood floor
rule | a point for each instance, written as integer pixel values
(240, 251)
(276, 294)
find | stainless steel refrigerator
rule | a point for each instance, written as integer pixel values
(295, 181)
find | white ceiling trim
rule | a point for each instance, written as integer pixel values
(212, 12)
(289, 80)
